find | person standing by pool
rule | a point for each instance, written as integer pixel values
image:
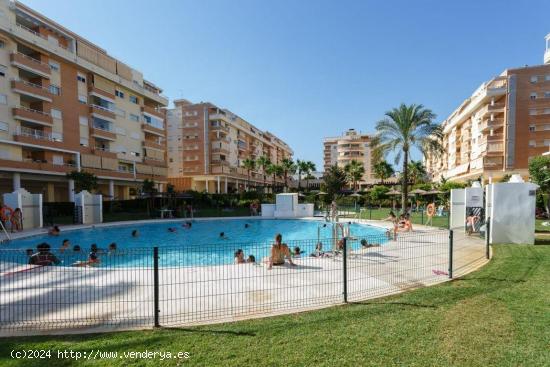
(16, 220)
(279, 251)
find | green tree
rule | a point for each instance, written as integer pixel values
(355, 172)
(289, 167)
(301, 167)
(309, 168)
(83, 181)
(383, 170)
(404, 128)
(417, 172)
(275, 171)
(539, 171)
(335, 179)
(378, 193)
(149, 187)
(263, 162)
(249, 165)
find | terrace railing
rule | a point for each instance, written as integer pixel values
(188, 285)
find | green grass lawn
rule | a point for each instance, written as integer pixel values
(417, 218)
(497, 316)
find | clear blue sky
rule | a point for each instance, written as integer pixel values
(309, 69)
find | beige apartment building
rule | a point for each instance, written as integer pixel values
(208, 144)
(499, 128)
(352, 145)
(66, 105)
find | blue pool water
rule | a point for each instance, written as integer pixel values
(200, 245)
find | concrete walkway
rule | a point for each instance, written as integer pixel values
(47, 300)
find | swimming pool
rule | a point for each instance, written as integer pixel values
(200, 245)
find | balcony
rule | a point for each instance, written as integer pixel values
(36, 166)
(495, 148)
(219, 127)
(30, 115)
(30, 64)
(493, 163)
(152, 130)
(103, 152)
(220, 147)
(492, 124)
(154, 145)
(152, 111)
(93, 91)
(102, 112)
(154, 162)
(102, 132)
(219, 116)
(38, 137)
(31, 89)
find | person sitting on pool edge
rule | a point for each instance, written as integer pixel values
(279, 251)
(318, 250)
(251, 259)
(366, 244)
(239, 257)
(297, 252)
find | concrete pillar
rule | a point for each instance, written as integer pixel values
(50, 192)
(71, 191)
(112, 189)
(16, 181)
(218, 184)
(225, 184)
(207, 184)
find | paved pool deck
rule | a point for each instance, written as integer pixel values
(61, 300)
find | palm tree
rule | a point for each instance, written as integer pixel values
(288, 167)
(383, 170)
(403, 128)
(263, 162)
(249, 165)
(417, 172)
(301, 167)
(355, 172)
(274, 170)
(310, 167)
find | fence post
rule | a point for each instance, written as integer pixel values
(156, 309)
(370, 213)
(451, 254)
(422, 212)
(487, 234)
(345, 269)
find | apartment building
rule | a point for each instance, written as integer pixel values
(499, 128)
(66, 105)
(352, 145)
(208, 144)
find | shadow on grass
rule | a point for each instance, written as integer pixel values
(410, 304)
(215, 332)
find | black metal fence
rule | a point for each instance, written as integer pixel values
(186, 285)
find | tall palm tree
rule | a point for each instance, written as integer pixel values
(403, 128)
(301, 167)
(275, 171)
(417, 172)
(355, 172)
(383, 170)
(289, 167)
(310, 168)
(263, 162)
(249, 165)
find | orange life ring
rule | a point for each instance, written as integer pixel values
(3, 212)
(430, 209)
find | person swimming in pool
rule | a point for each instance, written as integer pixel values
(239, 257)
(135, 233)
(172, 229)
(65, 245)
(223, 236)
(251, 259)
(279, 252)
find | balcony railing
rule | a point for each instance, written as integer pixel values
(38, 34)
(102, 108)
(27, 62)
(38, 134)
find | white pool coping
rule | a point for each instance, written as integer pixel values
(212, 294)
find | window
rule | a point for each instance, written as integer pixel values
(119, 112)
(3, 99)
(134, 117)
(546, 142)
(82, 99)
(81, 78)
(2, 44)
(532, 143)
(534, 78)
(120, 131)
(3, 70)
(56, 114)
(546, 94)
(4, 154)
(135, 136)
(134, 99)
(135, 154)
(53, 65)
(84, 142)
(533, 96)
(532, 112)
(58, 160)
(532, 128)
(4, 126)
(546, 127)
(83, 120)
(119, 94)
(54, 89)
